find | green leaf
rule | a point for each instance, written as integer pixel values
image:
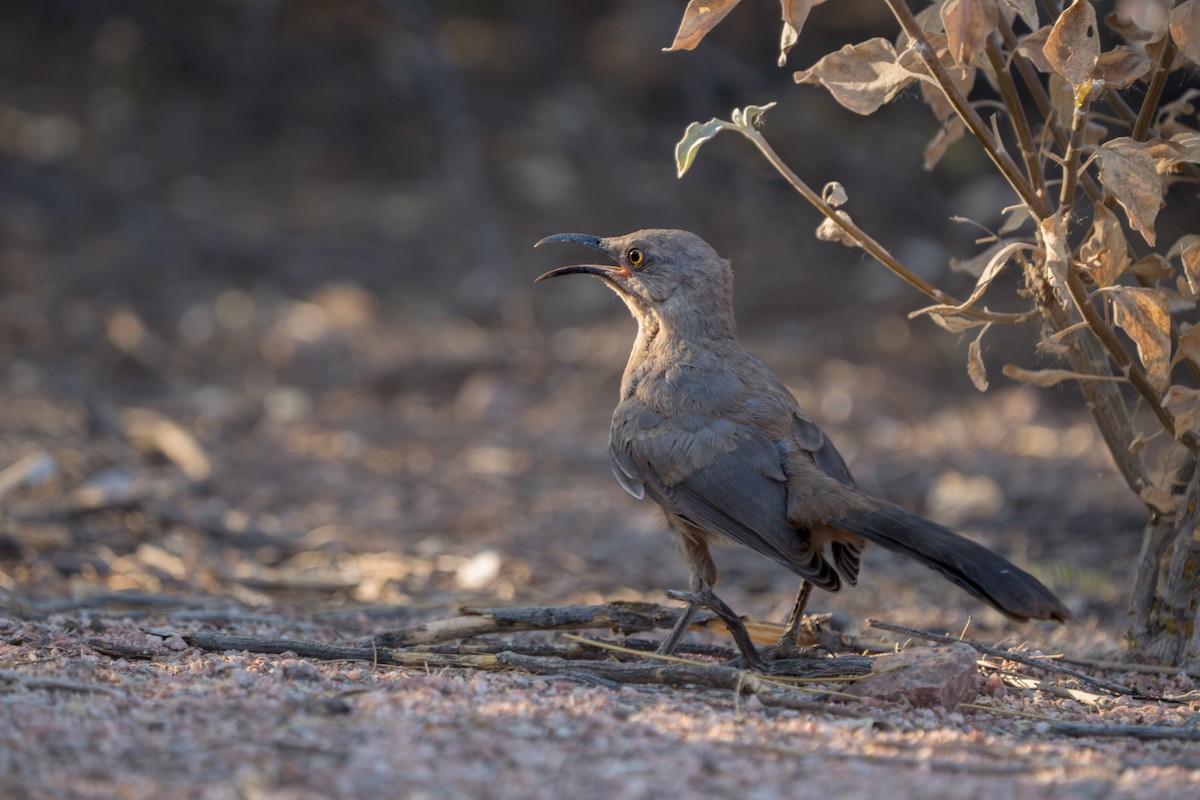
(750, 116)
(696, 135)
(744, 120)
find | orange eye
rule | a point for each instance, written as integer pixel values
(635, 257)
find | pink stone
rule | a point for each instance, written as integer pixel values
(924, 676)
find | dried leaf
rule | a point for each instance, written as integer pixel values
(1033, 46)
(795, 12)
(1094, 133)
(1169, 114)
(1073, 47)
(1104, 252)
(834, 194)
(975, 367)
(1062, 97)
(830, 231)
(1139, 443)
(962, 76)
(1140, 21)
(1016, 217)
(929, 19)
(968, 24)
(1051, 377)
(1185, 29)
(1180, 301)
(1189, 398)
(1188, 251)
(976, 264)
(862, 77)
(1052, 237)
(1168, 154)
(1151, 267)
(1189, 346)
(1160, 499)
(1131, 174)
(956, 324)
(998, 261)
(1121, 66)
(1145, 315)
(1190, 142)
(1026, 10)
(953, 129)
(700, 17)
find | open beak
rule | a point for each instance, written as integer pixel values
(587, 240)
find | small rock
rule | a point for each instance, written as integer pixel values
(298, 670)
(925, 676)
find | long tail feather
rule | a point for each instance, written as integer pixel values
(984, 574)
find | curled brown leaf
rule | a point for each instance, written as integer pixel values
(700, 17)
(1187, 250)
(1051, 377)
(795, 12)
(1104, 252)
(976, 370)
(1056, 251)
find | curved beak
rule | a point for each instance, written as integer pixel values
(587, 240)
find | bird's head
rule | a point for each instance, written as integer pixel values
(673, 279)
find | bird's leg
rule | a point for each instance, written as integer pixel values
(705, 596)
(702, 572)
(681, 625)
(788, 646)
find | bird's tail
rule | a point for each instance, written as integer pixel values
(984, 574)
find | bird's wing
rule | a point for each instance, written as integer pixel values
(810, 437)
(739, 494)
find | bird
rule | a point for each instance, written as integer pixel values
(707, 432)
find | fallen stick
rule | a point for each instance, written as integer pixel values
(1154, 732)
(619, 616)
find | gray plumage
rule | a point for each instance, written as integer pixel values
(712, 436)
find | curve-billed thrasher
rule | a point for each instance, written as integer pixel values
(705, 430)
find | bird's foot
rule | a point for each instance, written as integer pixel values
(812, 629)
(704, 596)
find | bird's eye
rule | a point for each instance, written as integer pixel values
(635, 257)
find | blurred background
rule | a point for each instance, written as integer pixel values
(268, 332)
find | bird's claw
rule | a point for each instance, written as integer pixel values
(704, 596)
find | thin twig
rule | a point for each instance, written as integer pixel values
(1073, 156)
(1042, 100)
(1003, 161)
(867, 243)
(1158, 80)
(1153, 732)
(1125, 666)
(1016, 114)
(55, 684)
(625, 617)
